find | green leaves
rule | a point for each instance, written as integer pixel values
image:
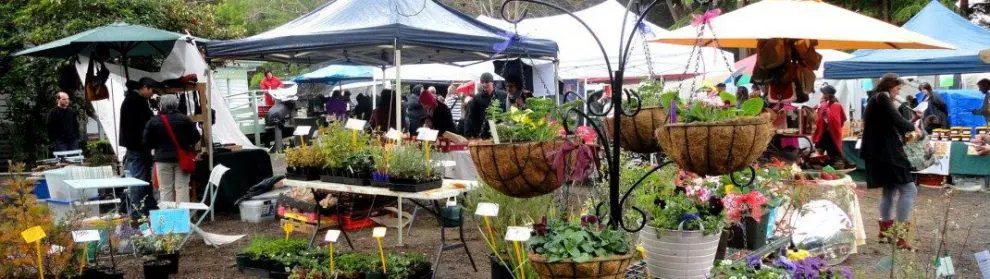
(579, 243)
(752, 107)
(530, 125)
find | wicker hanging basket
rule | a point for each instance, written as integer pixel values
(520, 170)
(716, 148)
(602, 267)
(638, 132)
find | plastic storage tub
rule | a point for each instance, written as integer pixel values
(256, 211)
(62, 210)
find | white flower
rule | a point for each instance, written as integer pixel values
(725, 262)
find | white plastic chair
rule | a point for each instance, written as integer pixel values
(212, 187)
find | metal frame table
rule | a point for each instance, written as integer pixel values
(444, 192)
(105, 183)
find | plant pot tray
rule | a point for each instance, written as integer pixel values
(346, 180)
(414, 187)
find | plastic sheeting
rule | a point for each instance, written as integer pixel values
(961, 104)
(184, 59)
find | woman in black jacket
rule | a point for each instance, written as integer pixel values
(887, 165)
(937, 114)
(173, 183)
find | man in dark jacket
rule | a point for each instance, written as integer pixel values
(134, 115)
(476, 125)
(63, 127)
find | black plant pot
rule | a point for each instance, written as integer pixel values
(303, 173)
(92, 272)
(111, 274)
(156, 269)
(751, 235)
(413, 185)
(499, 271)
(173, 259)
(723, 244)
(374, 275)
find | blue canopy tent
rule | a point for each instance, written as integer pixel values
(935, 21)
(338, 75)
(383, 33)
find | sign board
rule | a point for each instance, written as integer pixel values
(302, 130)
(355, 124)
(174, 220)
(33, 234)
(944, 267)
(518, 233)
(332, 236)
(983, 260)
(427, 134)
(487, 209)
(378, 232)
(393, 134)
(942, 158)
(85, 236)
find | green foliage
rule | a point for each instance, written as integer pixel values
(701, 112)
(156, 244)
(668, 214)
(406, 161)
(579, 242)
(512, 212)
(337, 145)
(739, 269)
(266, 247)
(537, 123)
(400, 266)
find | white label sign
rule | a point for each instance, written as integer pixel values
(85, 236)
(494, 131)
(302, 130)
(451, 202)
(393, 134)
(518, 234)
(983, 260)
(487, 209)
(427, 134)
(944, 267)
(355, 124)
(332, 236)
(379, 232)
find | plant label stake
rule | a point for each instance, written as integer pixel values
(85, 236)
(35, 234)
(331, 238)
(301, 132)
(517, 235)
(427, 135)
(354, 125)
(378, 233)
(943, 267)
(288, 228)
(983, 261)
(487, 210)
(494, 131)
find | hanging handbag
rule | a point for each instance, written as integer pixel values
(186, 159)
(96, 82)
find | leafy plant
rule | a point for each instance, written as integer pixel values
(156, 244)
(512, 212)
(265, 247)
(100, 153)
(694, 202)
(407, 162)
(559, 240)
(304, 156)
(716, 108)
(336, 144)
(782, 264)
(533, 124)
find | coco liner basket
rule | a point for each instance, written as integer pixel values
(520, 170)
(602, 267)
(638, 132)
(716, 148)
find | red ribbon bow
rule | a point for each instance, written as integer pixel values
(584, 161)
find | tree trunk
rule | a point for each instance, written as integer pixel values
(674, 13)
(964, 8)
(885, 8)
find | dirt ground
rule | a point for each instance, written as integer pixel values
(968, 216)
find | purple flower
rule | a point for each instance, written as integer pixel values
(810, 267)
(784, 263)
(644, 29)
(846, 272)
(754, 262)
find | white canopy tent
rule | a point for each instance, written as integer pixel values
(581, 58)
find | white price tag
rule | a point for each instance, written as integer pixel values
(487, 209)
(302, 130)
(378, 232)
(393, 134)
(859, 143)
(427, 134)
(355, 124)
(85, 236)
(518, 233)
(452, 202)
(983, 260)
(944, 267)
(332, 236)
(494, 131)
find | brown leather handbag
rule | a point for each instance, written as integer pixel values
(96, 81)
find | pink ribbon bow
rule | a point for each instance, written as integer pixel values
(584, 161)
(706, 17)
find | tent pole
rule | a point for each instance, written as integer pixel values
(208, 126)
(556, 80)
(398, 89)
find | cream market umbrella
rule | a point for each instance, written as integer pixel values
(831, 26)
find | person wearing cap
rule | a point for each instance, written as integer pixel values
(828, 126)
(135, 112)
(476, 120)
(437, 116)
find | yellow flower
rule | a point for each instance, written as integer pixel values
(797, 255)
(641, 251)
(729, 188)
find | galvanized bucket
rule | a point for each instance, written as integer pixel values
(678, 253)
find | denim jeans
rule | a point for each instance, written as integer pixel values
(907, 192)
(140, 199)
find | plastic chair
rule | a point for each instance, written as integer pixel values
(212, 187)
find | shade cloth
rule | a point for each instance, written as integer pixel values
(831, 26)
(116, 38)
(935, 21)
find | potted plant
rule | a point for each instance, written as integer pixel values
(267, 254)
(682, 235)
(512, 212)
(579, 249)
(750, 207)
(525, 161)
(710, 136)
(304, 162)
(347, 156)
(781, 264)
(638, 131)
(409, 170)
(158, 253)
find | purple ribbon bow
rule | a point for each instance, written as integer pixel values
(509, 40)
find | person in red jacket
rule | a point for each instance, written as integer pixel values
(828, 126)
(271, 82)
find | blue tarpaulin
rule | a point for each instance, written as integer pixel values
(935, 21)
(338, 75)
(961, 104)
(367, 31)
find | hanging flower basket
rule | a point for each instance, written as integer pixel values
(716, 148)
(638, 132)
(679, 253)
(520, 170)
(602, 267)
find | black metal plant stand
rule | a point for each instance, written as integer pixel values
(610, 146)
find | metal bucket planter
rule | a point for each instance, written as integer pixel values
(679, 254)
(520, 170)
(716, 148)
(602, 267)
(639, 131)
